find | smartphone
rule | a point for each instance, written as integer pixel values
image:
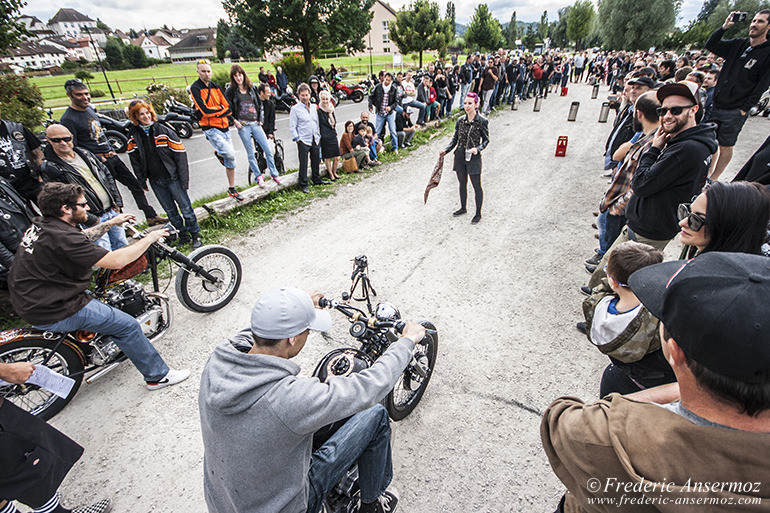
(739, 16)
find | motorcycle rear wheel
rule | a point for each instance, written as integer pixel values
(357, 96)
(410, 386)
(184, 130)
(31, 398)
(198, 294)
(118, 141)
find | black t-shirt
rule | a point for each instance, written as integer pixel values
(14, 164)
(51, 271)
(86, 130)
(402, 122)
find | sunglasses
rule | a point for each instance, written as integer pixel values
(662, 111)
(60, 139)
(694, 221)
(619, 284)
(81, 205)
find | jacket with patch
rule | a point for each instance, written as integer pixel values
(170, 149)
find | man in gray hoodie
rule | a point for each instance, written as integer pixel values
(258, 417)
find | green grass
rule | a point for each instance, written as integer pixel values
(130, 82)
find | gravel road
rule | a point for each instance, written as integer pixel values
(503, 294)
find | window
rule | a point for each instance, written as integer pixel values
(386, 50)
(385, 26)
(385, 38)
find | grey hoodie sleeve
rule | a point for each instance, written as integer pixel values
(310, 404)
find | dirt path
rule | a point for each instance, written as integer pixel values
(503, 295)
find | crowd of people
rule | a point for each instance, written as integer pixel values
(688, 340)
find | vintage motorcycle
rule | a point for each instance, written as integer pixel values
(374, 333)
(207, 280)
(346, 92)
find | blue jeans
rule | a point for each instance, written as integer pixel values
(464, 88)
(171, 194)
(113, 239)
(391, 119)
(122, 329)
(253, 129)
(363, 439)
(420, 106)
(223, 144)
(431, 109)
(609, 228)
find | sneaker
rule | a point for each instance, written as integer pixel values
(581, 327)
(233, 193)
(196, 241)
(459, 212)
(593, 225)
(103, 506)
(374, 163)
(305, 189)
(590, 268)
(594, 260)
(277, 180)
(385, 503)
(476, 219)
(261, 181)
(172, 378)
(585, 289)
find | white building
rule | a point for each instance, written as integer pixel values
(34, 55)
(378, 38)
(156, 46)
(36, 27)
(70, 23)
(197, 44)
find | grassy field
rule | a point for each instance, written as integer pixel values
(130, 82)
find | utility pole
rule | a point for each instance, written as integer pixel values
(99, 59)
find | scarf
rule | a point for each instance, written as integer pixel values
(330, 112)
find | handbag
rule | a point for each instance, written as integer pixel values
(350, 165)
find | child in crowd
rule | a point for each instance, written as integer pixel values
(622, 328)
(371, 141)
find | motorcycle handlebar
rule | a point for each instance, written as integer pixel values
(354, 313)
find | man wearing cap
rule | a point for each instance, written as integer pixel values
(258, 417)
(671, 172)
(711, 426)
(623, 130)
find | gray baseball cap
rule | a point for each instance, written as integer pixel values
(287, 312)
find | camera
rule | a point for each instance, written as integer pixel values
(361, 262)
(739, 17)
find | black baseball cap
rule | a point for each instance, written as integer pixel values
(716, 307)
(645, 81)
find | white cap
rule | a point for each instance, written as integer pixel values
(287, 312)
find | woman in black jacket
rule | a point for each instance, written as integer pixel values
(470, 138)
(157, 155)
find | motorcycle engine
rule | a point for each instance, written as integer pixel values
(129, 297)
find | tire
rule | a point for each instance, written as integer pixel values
(118, 141)
(357, 96)
(184, 130)
(31, 398)
(199, 295)
(410, 387)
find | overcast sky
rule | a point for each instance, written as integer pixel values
(200, 13)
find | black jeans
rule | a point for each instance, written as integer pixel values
(315, 163)
(121, 174)
(462, 176)
(625, 378)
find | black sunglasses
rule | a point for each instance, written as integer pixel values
(662, 111)
(60, 139)
(694, 221)
(82, 205)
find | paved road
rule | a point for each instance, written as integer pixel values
(207, 176)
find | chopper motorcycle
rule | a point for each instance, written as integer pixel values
(207, 280)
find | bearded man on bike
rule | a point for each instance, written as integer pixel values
(52, 270)
(258, 417)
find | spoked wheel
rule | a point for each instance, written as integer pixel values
(357, 96)
(183, 130)
(412, 384)
(197, 293)
(31, 398)
(118, 141)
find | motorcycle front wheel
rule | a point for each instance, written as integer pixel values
(357, 96)
(411, 384)
(184, 130)
(31, 398)
(118, 141)
(197, 293)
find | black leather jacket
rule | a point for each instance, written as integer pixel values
(15, 217)
(170, 149)
(470, 135)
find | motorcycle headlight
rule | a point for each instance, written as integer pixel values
(387, 312)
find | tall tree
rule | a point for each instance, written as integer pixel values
(512, 31)
(624, 26)
(559, 28)
(310, 24)
(11, 29)
(530, 38)
(484, 31)
(240, 46)
(134, 56)
(451, 17)
(542, 28)
(581, 18)
(113, 52)
(706, 9)
(419, 27)
(223, 36)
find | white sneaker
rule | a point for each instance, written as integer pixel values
(172, 378)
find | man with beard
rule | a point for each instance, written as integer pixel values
(623, 130)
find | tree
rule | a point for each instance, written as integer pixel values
(581, 18)
(530, 38)
(418, 27)
(102, 26)
(241, 47)
(559, 28)
(624, 26)
(706, 10)
(511, 32)
(310, 24)
(11, 29)
(85, 76)
(134, 56)
(223, 35)
(113, 52)
(451, 18)
(21, 101)
(133, 34)
(484, 31)
(542, 28)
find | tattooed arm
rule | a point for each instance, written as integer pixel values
(95, 232)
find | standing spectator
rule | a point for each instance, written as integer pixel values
(537, 77)
(332, 72)
(453, 85)
(271, 82)
(250, 115)
(466, 77)
(382, 102)
(319, 72)
(666, 70)
(20, 158)
(262, 75)
(545, 80)
(744, 77)
(215, 114)
(350, 150)
(303, 124)
(444, 96)
(158, 155)
(579, 62)
(488, 86)
(67, 164)
(709, 85)
(315, 89)
(281, 80)
(405, 129)
(330, 148)
(623, 130)
(470, 138)
(87, 133)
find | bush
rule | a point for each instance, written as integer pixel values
(221, 78)
(21, 101)
(70, 65)
(293, 65)
(161, 93)
(84, 75)
(98, 93)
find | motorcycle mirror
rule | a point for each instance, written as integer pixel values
(345, 296)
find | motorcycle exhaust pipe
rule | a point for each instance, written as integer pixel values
(103, 371)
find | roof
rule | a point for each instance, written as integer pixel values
(32, 48)
(61, 41)
(203, 38)
(159, 40)
(387, 6)
(69, 15)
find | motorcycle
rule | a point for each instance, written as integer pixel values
(763, 105)
(174, 106)
(374, 334)
(207, 280)
(284, 101)
(179, 123)
(344, 92)
(116, 132)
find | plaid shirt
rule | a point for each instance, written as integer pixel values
(619, 193)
